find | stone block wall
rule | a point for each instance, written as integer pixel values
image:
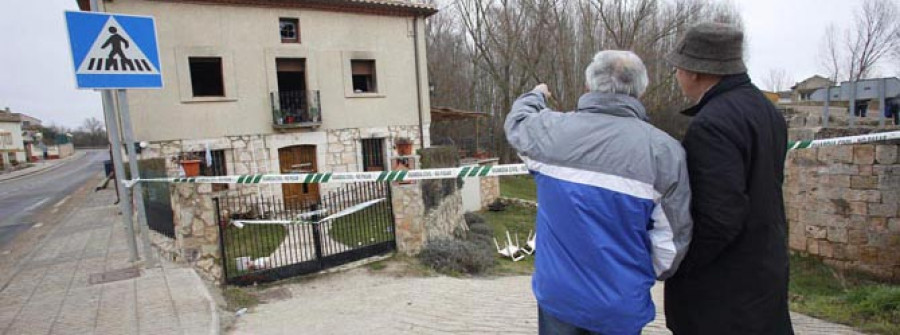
(843, 205)
(196, 230)
(447, 219)
(416, 225)
(409, 217)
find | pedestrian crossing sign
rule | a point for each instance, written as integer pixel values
(113, 51)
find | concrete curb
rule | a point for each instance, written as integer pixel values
(42, 169)
(215, 324)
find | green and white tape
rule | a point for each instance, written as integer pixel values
(350, 177)
(830, 142)
(445, 173)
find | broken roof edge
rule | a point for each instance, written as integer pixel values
(375, 7)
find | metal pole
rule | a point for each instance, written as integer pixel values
(827, 112)
(882, 91)
(852, 104)
(135, 173)
(112, 126)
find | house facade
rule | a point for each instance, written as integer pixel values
(12, 149)
(283, 86)
(803, 90)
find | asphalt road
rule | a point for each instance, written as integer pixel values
(22, 198)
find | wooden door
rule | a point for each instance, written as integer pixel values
(298, 159)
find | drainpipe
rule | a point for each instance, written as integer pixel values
(418, 80)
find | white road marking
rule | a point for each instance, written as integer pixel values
(29, 208)
(37, 225)
(61, 202)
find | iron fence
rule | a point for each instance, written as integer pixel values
(261, 252)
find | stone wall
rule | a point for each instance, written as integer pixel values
(419, 220)
(196, 230)
(842, 204)
(409, 217)
(447, 219)
(343, 144)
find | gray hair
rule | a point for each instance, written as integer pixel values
(616, 71)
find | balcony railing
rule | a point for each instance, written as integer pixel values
(295, 109)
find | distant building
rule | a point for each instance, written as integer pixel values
(784, 97)
(803, 90)
(29, 122)
(865, 93)
(772, 96)
(12, 148)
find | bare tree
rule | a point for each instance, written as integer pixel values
(482, 54)
(875, 34)
(830, 54)
(777, 80)
(93, 126)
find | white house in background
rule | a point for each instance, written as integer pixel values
(12, 149)
(803, 90)
(283, 86)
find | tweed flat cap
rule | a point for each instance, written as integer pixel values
(711, 48)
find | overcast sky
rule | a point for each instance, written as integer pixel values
(36, 72)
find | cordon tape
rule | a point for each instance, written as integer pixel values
(446, 173)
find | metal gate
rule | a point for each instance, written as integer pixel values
(260, 253)
(157, 203)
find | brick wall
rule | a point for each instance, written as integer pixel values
(842, 205)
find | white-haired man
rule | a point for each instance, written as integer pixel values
(613, 198)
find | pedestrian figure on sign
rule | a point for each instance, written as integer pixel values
(116, 41)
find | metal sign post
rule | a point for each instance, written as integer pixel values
(118, 52)
(137, 191)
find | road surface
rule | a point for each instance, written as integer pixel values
(22, 198)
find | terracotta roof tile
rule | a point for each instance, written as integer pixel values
(383, 7)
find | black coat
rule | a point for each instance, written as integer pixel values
(734, 278)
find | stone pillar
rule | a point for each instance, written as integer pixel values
(490, 186)
(409, 217)
(196, 229)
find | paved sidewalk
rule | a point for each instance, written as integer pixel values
(361, 301)
(53, 293)
(41, 166)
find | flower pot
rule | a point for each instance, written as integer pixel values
(289, 119)
(191, 168)
(404, 149)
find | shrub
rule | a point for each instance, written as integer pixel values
(457, 256)
(479, 230)
(876, 300)
(471, 218)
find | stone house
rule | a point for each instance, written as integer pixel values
(803, 90)
(283, 86)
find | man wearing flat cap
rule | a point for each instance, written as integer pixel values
(734, 278)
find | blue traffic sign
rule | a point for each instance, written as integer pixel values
(112, 51)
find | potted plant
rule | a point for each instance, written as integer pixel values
(190, 163)
(404, 146)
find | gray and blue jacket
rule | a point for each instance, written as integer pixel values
(613, 213)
